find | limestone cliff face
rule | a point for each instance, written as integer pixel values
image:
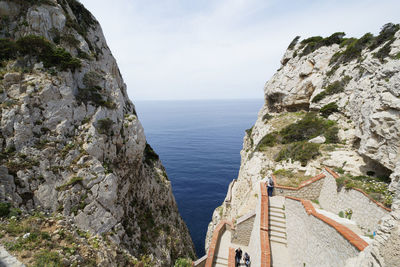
(361, 80)
(70, 139)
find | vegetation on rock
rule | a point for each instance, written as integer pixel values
(328, 109)
(333, 88)
(294, 137)
(375, 187)
(41, 49)
(150, 155)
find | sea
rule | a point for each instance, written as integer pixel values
(199, 143)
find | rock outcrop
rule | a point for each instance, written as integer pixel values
(355, 84)
(70, 139)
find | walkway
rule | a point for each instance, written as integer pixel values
(278, 237)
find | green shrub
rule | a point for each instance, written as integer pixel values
(92, 79)
(267, 141)
(8, 49)
(386, 34)
(333, 88)
(341, 214)
(70, 40)
(313, 43)
(328, 109)
(104, 126)
(383, 52)
(331, 135)
(4, 209)
(293, 43)
(249, 131)
(305, 129)
(353, 49)
(267, 117)
(182, 262)
(150, 155)
(46, 258)
(50, 55)
(299, 151)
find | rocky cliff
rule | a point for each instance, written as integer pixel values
(71, 141)
(334, 102)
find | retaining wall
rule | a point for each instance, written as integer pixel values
(309, 189)
(243, 229)
(366, 211)
(314, 238)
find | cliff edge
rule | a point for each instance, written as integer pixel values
(71, 142)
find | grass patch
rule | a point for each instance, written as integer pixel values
(290, 178)
(47, 258)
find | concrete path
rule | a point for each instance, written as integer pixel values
(7, 260)
(277, 230)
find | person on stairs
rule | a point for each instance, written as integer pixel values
(270, 185)
(238, 256)
(246, 259)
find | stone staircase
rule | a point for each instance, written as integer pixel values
(277, 222)
(280, 256)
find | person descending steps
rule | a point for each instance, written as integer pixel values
(238, 257)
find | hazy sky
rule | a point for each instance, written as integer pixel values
(220, 49)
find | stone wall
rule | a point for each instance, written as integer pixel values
(312, 241)
(310, 189)
(242, 232)
(366, 212)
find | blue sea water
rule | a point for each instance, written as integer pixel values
(199, 144)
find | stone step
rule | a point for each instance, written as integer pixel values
(277, 211)
(277, 219)
(277, 214)
(278, 240)
(277, 207)
(278, 234)
(274, 228)
(279, 224)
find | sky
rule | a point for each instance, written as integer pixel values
(220, 49)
